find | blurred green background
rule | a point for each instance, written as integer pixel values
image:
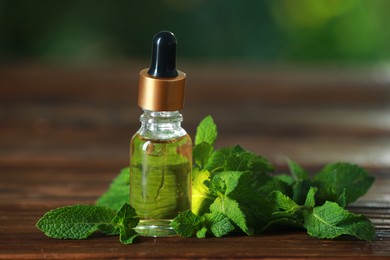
(261, 31)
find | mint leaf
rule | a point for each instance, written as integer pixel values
(118, 192)
(201, 195)
(300, 189)
(253, 192)
(237, 159)
(342, 199)
(186, 224)
(80, 221)
(244, 198)
(201, 154)
(284, 203)
(330, 221)
(334, 178)
(339, 182)
(76, 222)
(299, 182)
(201, 233)
(218, 223)
(231, 209)
(225, 182)
(126, 220)
(287, 212)
(297, 172)
(288, 179)
(206, 131)
(310, 197)
(206, 135)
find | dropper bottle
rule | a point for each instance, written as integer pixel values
(161, 150)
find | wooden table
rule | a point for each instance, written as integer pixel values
(64, 134)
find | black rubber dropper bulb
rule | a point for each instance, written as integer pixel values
(163, 63)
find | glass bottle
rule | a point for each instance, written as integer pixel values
(161, 150)
(161, 153)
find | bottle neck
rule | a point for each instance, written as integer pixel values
(161, 125)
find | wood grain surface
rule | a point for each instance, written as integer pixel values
(65, 131)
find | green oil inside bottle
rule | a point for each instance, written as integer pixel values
(160, 182)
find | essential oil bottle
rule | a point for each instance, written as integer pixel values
(161, 150)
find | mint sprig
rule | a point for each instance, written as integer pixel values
(81, 221)
(234, 187)
(206, 131)
(342, 182)
(233, 191)
(330, 221)
(125, 221)
(77, 222)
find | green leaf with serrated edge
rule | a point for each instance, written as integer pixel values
(118, 193)
(219, 224)
(201, 195)
(288, 213)
(76, 222)
(288, 179)
(127, 236)
(126, 220)
(206, 131)
(253, 194)
(237, 159)
(232, 210)
(186, 224)
(225, 182)
(201, 154)
(286, 208)
(336, 177)
(297, 172)
(300, 189)
(330, 221)
(342, 199)
(284, 203)
(310, 197)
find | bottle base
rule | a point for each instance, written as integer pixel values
(155, 228)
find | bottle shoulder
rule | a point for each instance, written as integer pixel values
(161, 125)
(161, 134)
(185, 139)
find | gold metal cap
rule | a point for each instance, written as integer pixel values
(161, 94)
